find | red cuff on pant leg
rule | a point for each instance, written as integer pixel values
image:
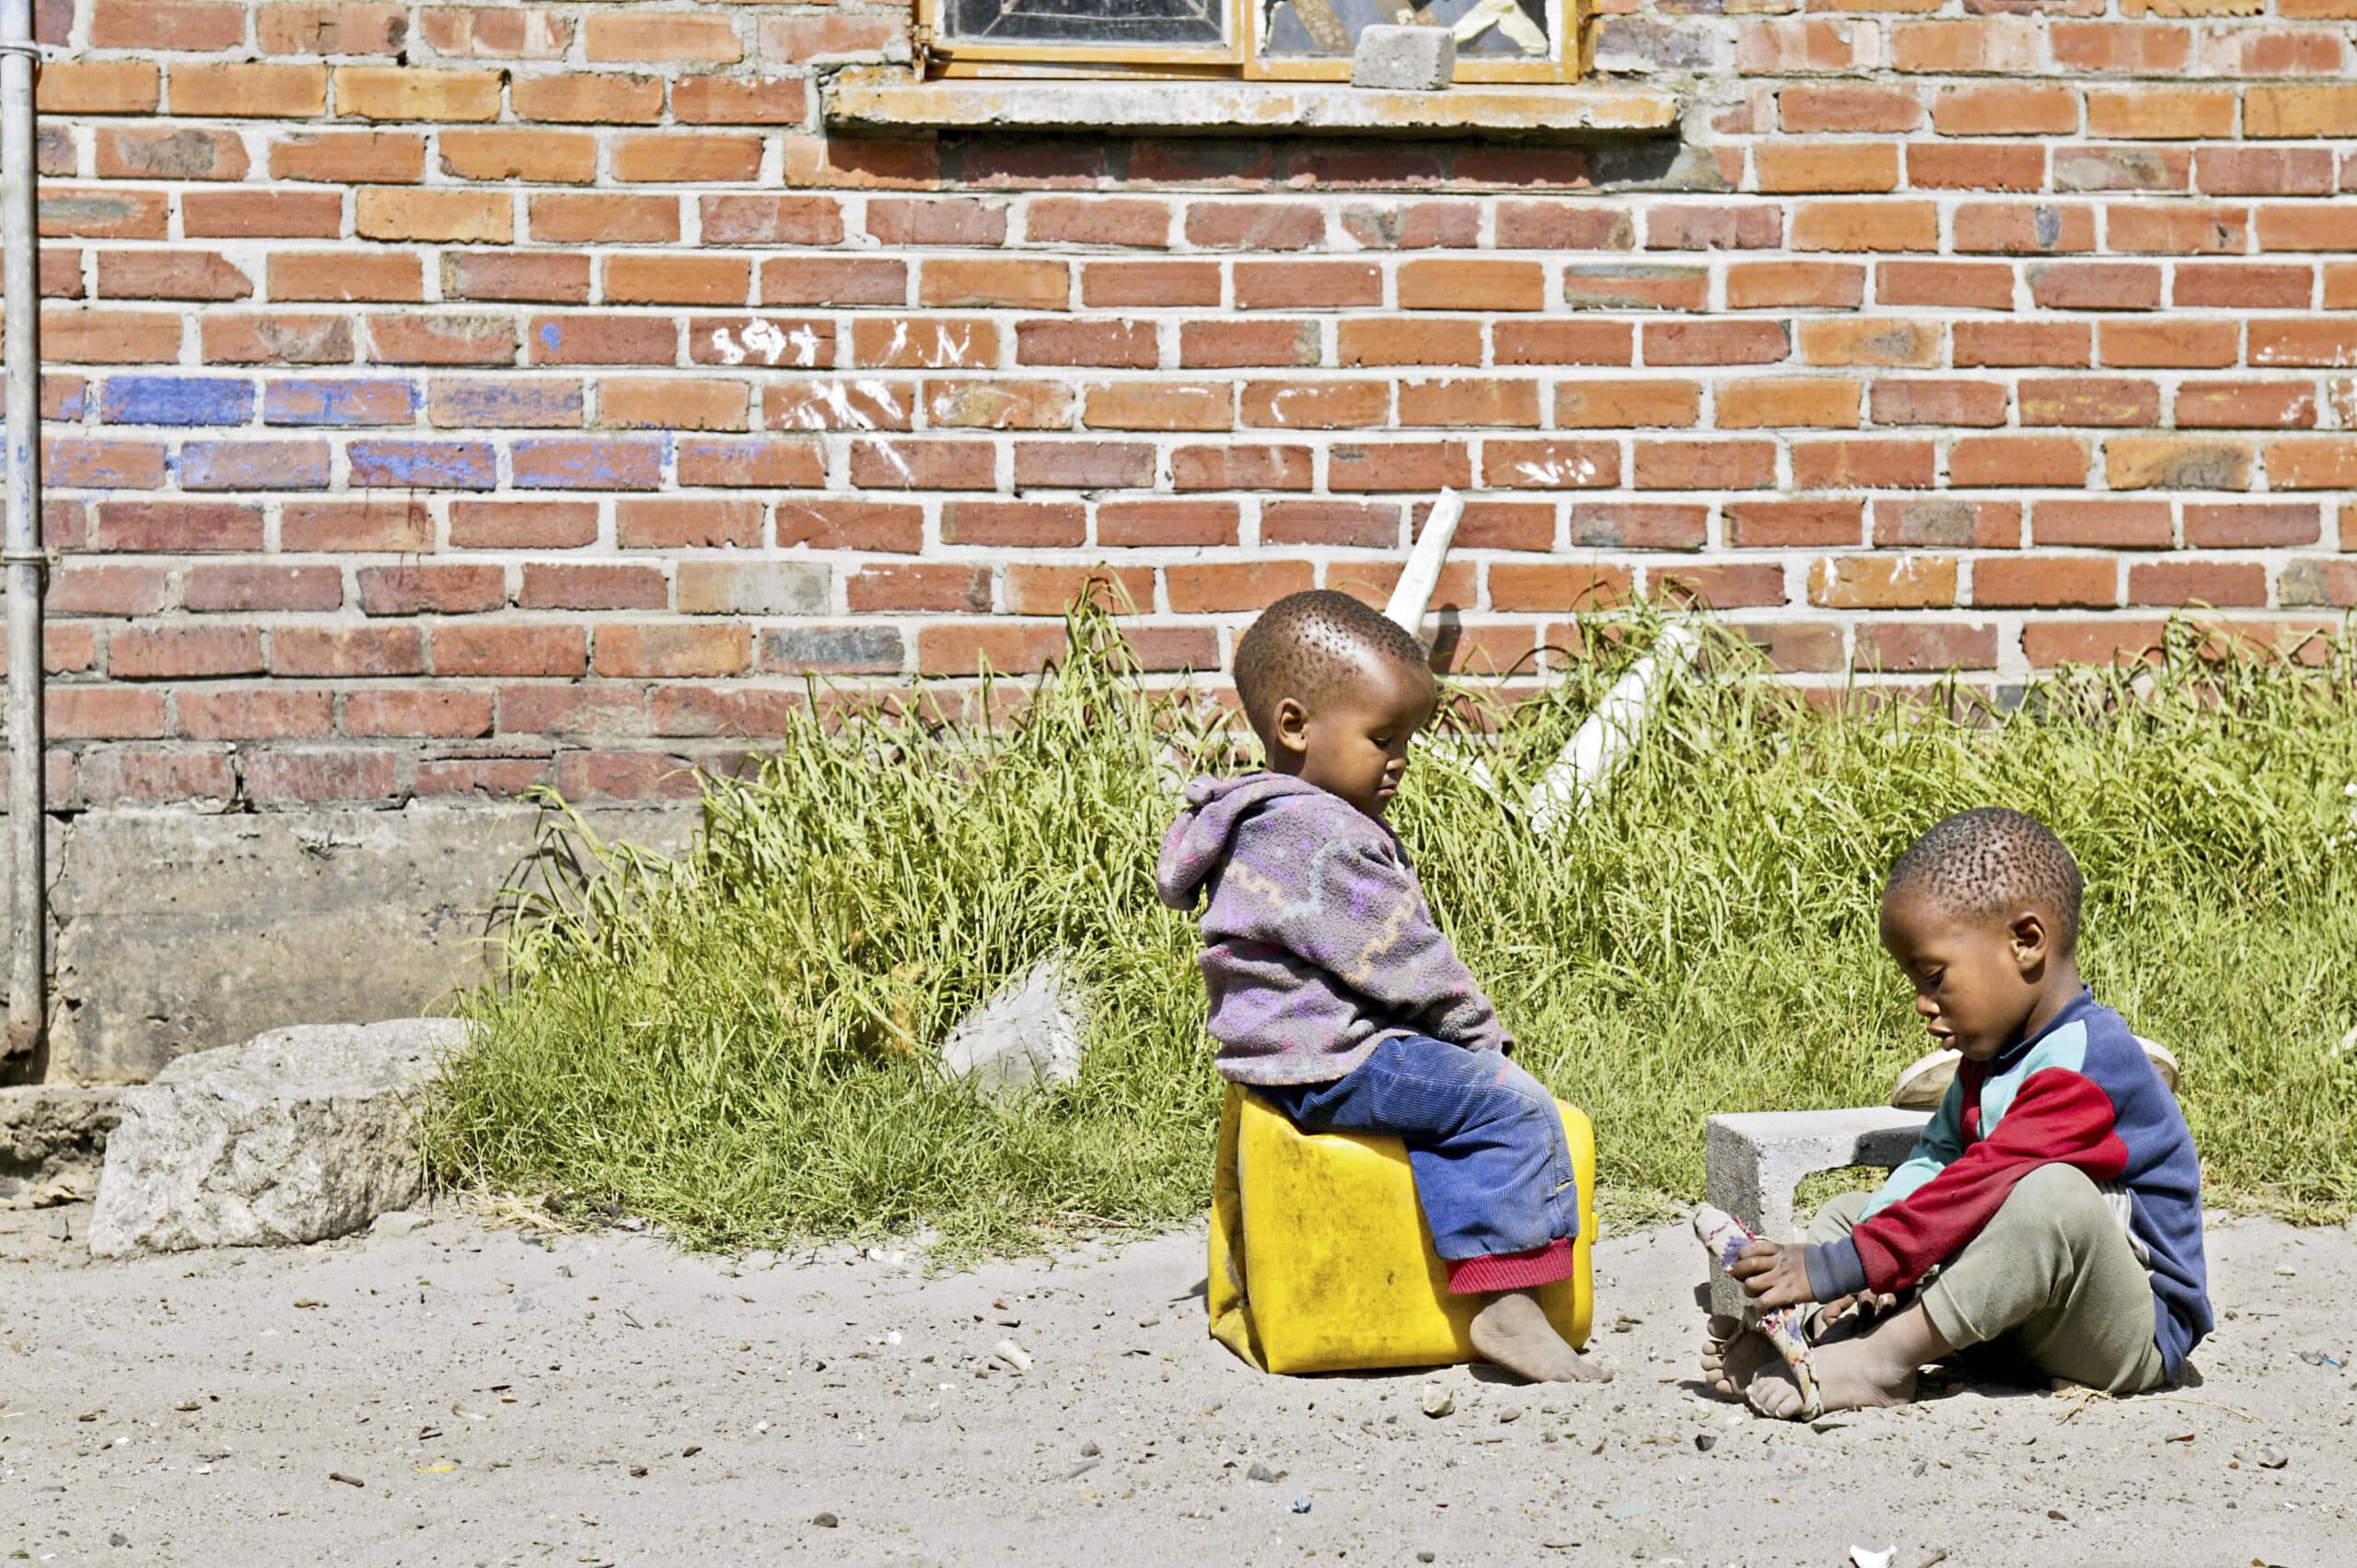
(1509, 1270)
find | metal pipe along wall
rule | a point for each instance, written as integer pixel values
(19, 254)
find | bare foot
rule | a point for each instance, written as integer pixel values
(1875, 1369)
(1848, 1316)
(1512, 1330)
(1733, 1356)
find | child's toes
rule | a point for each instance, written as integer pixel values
(1775, 1393)
(1587, 1369)
(1715, 1377)
(1729, 1365)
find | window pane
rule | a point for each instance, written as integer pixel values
(1512, 29)
(1130, 22)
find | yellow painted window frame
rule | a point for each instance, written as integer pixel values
(1239, 58)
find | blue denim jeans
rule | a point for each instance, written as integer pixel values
(1492, 1169)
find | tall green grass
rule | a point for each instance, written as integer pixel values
(739, 1042)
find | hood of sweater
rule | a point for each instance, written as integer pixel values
(1199, 841)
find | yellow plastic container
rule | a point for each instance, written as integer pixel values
(1321, 1260)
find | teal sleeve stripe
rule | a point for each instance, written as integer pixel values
(2066, 1047)
(1941, 1142)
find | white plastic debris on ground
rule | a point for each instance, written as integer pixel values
(1031, 1034)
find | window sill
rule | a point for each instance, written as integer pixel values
(881, 101)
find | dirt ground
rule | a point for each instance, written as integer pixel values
(453, 1394)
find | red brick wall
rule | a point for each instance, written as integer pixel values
(446, 398)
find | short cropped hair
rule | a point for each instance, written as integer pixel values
(1991, 861)
(1304, 645)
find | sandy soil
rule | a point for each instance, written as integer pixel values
(499, 1397)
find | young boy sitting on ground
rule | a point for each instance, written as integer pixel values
(1335, 997)
(2053, 1208)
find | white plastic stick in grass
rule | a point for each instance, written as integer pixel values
(1458, 753)
(1413, 595)
(1580, 770)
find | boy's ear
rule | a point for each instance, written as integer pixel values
(1290, 725)
(2030, 937)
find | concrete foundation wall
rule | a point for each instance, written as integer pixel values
(174, 932)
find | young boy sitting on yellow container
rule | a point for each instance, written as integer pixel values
(1334, 997)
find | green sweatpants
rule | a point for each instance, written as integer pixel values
(2050, 1281)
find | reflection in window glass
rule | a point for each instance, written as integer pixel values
(1512, 29)
(1136, 23)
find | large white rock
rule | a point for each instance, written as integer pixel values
(296, 1135)
(1032, 1033)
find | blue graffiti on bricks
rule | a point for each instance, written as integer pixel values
(175, 399)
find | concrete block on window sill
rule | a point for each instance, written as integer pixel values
(885, 102)
(1404, 59)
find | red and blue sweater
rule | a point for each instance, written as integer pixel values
(2079, 1091)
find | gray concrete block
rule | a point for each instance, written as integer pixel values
(296, 1135)
(1752, 1164)
(1412, 59)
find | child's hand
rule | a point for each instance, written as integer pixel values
(1866, 1304)
(1775, 1275)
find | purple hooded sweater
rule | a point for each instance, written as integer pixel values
(1317, 944)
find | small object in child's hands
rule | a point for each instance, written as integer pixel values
(1725, 1235)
